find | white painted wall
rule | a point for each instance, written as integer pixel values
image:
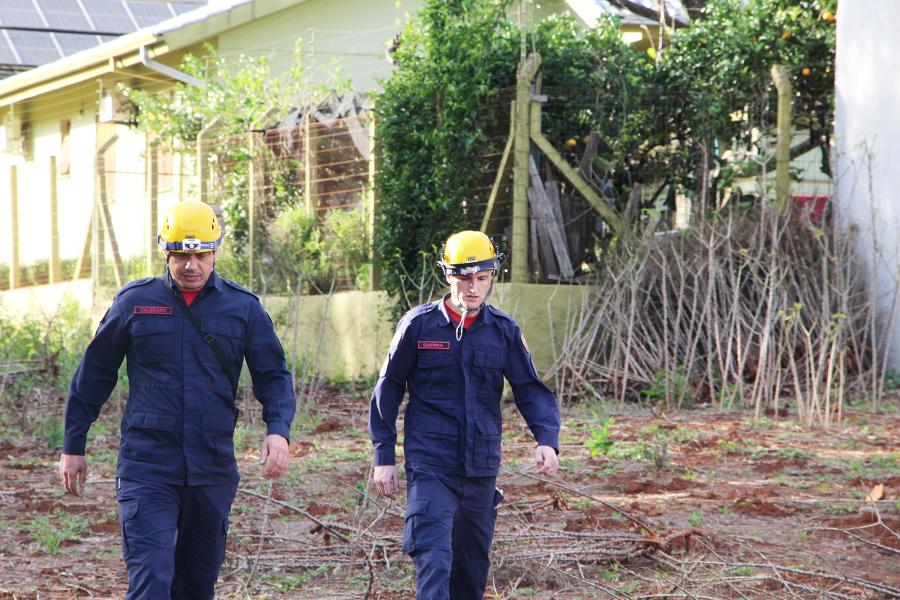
(867, 146)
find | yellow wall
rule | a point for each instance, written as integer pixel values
(354, 328)
(351, 33)
(357, 330)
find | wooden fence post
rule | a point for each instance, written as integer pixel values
(15, 273)
(103, 214)
(202, 163)
(310, 165)
(521, 151)
(257, 184)
(153, 203)
(783, 143)
(371, 200)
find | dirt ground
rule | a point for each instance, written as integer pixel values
(696, 504)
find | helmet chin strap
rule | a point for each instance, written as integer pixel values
(464, 310)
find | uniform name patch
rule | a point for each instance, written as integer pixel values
(426, 345)
(153, 310)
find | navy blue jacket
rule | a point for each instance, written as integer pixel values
(452, 422)
(179, 420)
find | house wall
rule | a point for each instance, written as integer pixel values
(867, 126)
(351, 33)
(33, 178)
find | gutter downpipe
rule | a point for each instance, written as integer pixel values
(166, 70)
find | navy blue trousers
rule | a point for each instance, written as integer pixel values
(173, 537)
(448, 532)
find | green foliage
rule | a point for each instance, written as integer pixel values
(708, 92)
(51, 533)
(55, 341)
(51, 431)
(695, 518)
(233, 96)
(451, 56)
(670, 385)
(600, 441)
(716, 77)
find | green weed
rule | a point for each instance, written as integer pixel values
(50, 535)
(600, 441)
(695, 518)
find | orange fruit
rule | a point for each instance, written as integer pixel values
(786, 35)
(806, 71)
(828, 16)
(571, 143)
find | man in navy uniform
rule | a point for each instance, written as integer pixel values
(452, 355)
(185, 336)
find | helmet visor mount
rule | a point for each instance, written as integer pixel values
(189, 244)
(470, 268)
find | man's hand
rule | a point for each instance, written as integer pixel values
(73, 472)
(547, 463)
(387, 482)
(274, 455)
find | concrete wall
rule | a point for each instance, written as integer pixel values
(867, 127)
(348, 335)
(355, 331)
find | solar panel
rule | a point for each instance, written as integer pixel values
(76, 42)
(64, 14)
(6, 54)
(19, 13)
(34, 47)
(149, 13)
(183, 7)
(109, 15)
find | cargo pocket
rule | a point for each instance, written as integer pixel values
(434, 373)
(153, 339)
(489, 375)
(487, 445)
(128, 508)
(434, 440)
(149, 436)
(221, 430)
(428, 525)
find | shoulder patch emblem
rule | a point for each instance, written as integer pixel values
(430, 345)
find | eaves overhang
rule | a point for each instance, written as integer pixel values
(124, 52)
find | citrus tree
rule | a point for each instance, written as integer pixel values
(658, 115)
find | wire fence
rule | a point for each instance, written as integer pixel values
(321, 160)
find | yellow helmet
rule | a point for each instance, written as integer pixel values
(469, 252)
(190, 226)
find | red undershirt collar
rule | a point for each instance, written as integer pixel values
(456, 317)
(190, 296)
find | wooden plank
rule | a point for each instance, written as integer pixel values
(541, 237)
(608, 214)
(502, 172)
(535, 259)
(84, 259)
(545, 210)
